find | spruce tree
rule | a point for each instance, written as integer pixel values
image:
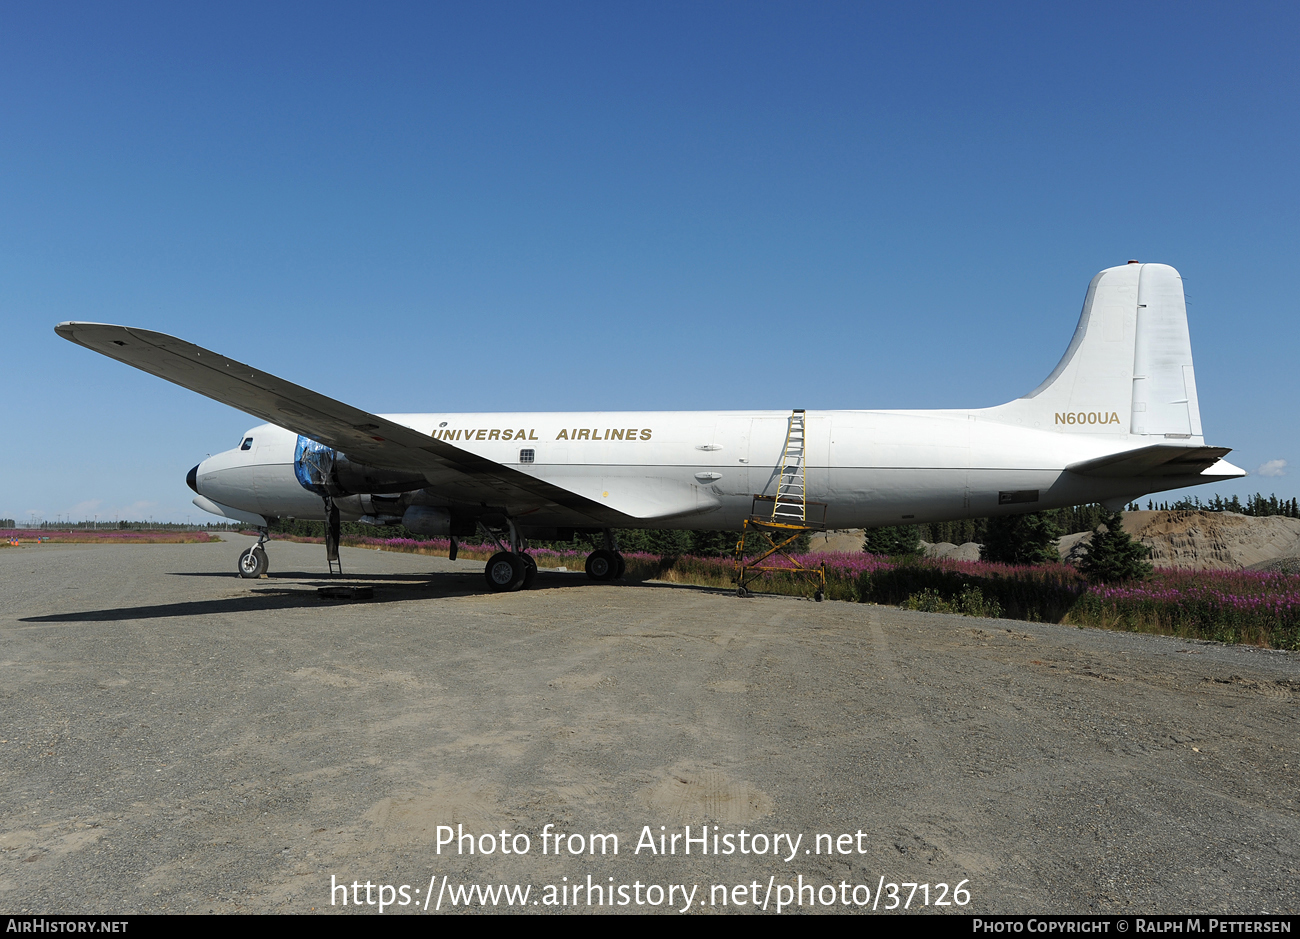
(713, 544)
(893, 540)
(1021, 539)
(1113, 556)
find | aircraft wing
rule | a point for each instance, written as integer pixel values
(1158, 460)
(364, 437)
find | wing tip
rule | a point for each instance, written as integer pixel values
(68, 328)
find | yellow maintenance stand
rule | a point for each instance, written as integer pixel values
(790, 516)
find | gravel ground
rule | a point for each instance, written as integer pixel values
(178, 739)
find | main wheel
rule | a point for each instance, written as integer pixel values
(622, 566)
(253, 562)
(530, 571)
(504, 571)
(601, 565)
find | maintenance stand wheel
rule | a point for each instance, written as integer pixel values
(742, 592)
(601, 565)
(530, 571)
(253, 563)
(820, 595)
(504, 571)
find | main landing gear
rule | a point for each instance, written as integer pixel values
(510, 568)
(253, 563)
(606, 563)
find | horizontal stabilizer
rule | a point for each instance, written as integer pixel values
(1159, 460)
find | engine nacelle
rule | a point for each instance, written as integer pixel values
(325, 471)
(431, 520)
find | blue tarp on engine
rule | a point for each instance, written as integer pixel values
(312, 462)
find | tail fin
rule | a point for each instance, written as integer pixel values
(1128, 369)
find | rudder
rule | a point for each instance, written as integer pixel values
(1164, 383)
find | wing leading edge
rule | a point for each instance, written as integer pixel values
(364, 437)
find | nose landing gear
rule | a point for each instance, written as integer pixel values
(253, 563)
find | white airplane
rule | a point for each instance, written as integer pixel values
(1116, 419)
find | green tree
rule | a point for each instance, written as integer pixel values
(713, 544)
(1021, 539)
(958, 532)
(1113, 556)
(893, 540)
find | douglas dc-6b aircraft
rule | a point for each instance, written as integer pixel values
(1117, 418)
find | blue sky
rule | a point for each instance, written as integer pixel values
(570, 206)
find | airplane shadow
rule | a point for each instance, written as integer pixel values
(265, 595)
(324, 578)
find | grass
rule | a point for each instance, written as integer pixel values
(1255, 608)
(23, 536)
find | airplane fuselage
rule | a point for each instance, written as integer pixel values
(703, 469)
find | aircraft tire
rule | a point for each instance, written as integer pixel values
(530, 571)
(253, 563)
(601, 565)
(622, 566)
(504, 572)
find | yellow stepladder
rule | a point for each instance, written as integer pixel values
(789, 518)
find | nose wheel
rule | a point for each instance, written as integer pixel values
(254, 563)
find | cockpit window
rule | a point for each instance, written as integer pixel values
(247, 444)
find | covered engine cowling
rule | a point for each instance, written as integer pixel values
(325, 471)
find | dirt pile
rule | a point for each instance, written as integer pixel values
(970, 551)
(1195, 541)
(1201, 541)
(847, 539)
(1214, 540)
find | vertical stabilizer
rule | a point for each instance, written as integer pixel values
(1128, 368)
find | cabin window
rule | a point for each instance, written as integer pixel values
(527, 456)
(247, 444)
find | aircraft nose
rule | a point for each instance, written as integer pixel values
(192, 479)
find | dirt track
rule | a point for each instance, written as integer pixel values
(178, 739)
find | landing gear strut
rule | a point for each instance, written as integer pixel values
(332, 537)
(253, 563)
(510, 568)
(606, 563)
